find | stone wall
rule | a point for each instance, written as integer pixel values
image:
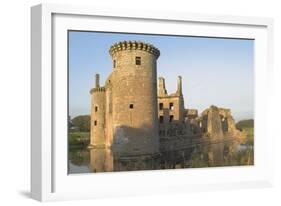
(214, 125)
(129, 114)
(191, 113)
(97, 138)
(171, 112)
(218, 122)
(134, 98)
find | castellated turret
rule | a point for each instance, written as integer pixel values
(134, 96)
(127, 116)
(97, 114)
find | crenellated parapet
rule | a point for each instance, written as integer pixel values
(97, 89)
(134, 45)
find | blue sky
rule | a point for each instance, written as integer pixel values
(215, 71)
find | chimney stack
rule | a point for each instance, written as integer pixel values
(161, 87)
(179, 89)
(97, 80)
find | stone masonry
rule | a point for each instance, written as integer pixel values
(131, 116)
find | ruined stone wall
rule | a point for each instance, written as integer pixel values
(161, 92)
(171, 112)
(175, 111)
(134, 98)
(170, 118)
(219, 123)
(191, 113)
(229, 122)
(214, 125)
(227, 119)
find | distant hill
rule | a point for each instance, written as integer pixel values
(249, 123)
(82, 123)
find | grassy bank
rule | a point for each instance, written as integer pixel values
(247, 126)
(78, 139)
(250, 135)
(246, 157)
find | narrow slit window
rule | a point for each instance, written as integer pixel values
(171, 118)
(161, 106)
(95, 122)
(114, 63)
(131, 106)
(96, 108)
(138, 60)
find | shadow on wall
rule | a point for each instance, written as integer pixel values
(177, 128)
(135, 141)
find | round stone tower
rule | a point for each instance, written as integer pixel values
(97, 139)
(134, 98)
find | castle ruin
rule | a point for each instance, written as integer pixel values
(132, 115)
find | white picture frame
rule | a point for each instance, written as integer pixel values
(49, 178)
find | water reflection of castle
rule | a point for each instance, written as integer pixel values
(132, 117)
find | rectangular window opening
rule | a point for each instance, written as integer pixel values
(171, 106)
(131, 106)
(96, 108)
(138, 60)
(171, 118)
(114, 63)
(95, 122)
(161, 106)
(161, 119)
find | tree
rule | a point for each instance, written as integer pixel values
(82, 122)
(249, 123)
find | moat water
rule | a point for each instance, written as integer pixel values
(105, 160)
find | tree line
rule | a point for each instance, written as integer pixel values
(249, 123)
(80, 123)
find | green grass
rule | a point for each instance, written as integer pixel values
(249, 123)
(247, 126)
(250, 135)
(247, 157)
(78, 139)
